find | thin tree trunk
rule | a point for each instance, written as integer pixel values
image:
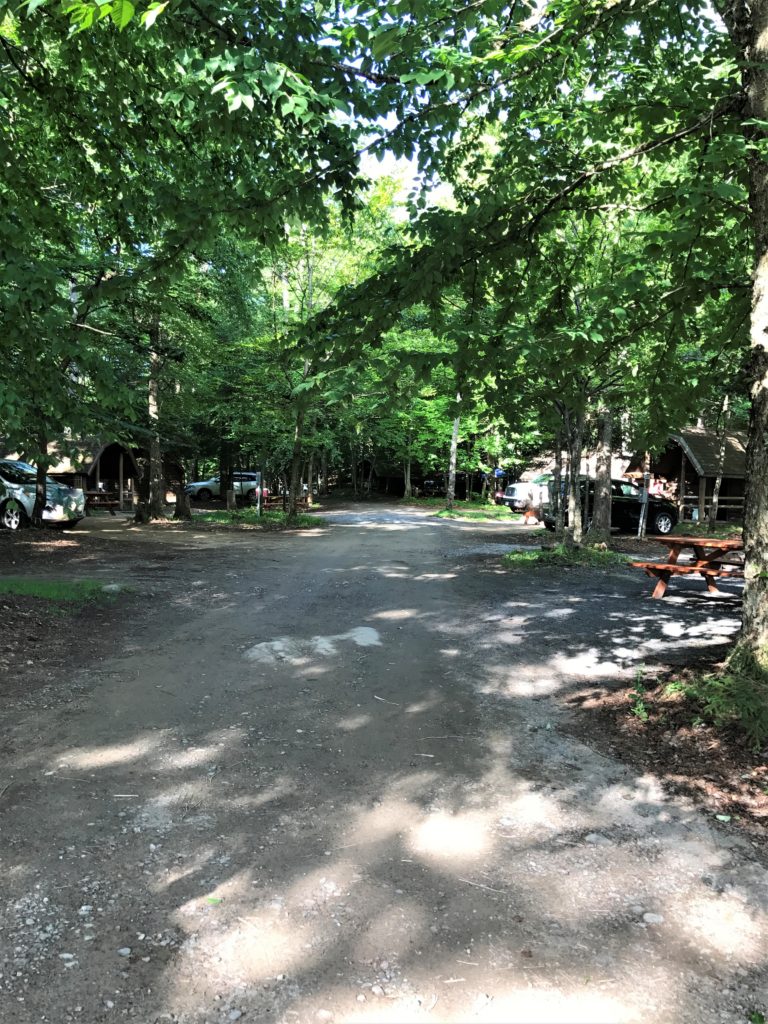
(451, 489)
(557, 484)
(407, 477)
(324, 470)
(156, 488)
(575, 531)
(748, 27)
(721, 448)
(310, 475)
(600, 531)
(296, 464)
(353, 458)
(641, 529)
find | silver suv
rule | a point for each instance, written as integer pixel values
(244, 482)
(64, 506)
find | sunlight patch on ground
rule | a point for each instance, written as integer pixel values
(379, 824)
(260, 947)
(352, 722)
(105, 757)
(194, 756)
(726, 926)
(398, 614)
(451, 839)
(300, 652)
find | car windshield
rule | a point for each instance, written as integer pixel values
(22, 473)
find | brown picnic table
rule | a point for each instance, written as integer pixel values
(101, 499)
(712, 557)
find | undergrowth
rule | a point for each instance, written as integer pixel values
(598, 558)
(69, 591)
(479, 512)
(719, 531)
(275, 520)
(732, 698)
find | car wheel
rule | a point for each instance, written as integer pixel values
(664, 522)
(12, 515)
(252, 496)
(204, 494)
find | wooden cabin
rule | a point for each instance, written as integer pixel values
(689, 464)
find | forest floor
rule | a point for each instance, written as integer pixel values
(365, 773)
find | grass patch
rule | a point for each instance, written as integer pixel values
(720, 531)
(481, 513)
(275, 520)
(64, 591)
(560, 555)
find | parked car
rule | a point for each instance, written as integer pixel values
(520, 496)
(626, 506)
(65, 506)
(244, 482)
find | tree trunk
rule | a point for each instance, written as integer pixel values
(296, 465)
(407, 478)
(722, 444)
(353, 458)
(156, 483)
(369, 484)
(41, 498)
(557, 485)
(183, 507)
(310, 475)
(600, 531)
(450, 492)
(641, 529)
(575, 531)
(324, 470)
(748, 27)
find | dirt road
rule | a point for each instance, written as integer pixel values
(326, 777)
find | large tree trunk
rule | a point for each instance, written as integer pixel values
(600, 531)
(721, 448)
(748, 27)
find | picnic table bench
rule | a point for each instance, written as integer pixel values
(101, 499)
(712, 557)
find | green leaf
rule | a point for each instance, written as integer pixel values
(122, 12)
(153, 12)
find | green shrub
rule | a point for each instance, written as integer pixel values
(736, 697)
(560, 554)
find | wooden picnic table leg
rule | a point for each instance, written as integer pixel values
(705, 557)
(661, 587)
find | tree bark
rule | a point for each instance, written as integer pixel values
(156, 484)
(642, 526)
(748, 28)
(296, 464)
(721, 448)
(600, 531)
(324, 471)
(557, 484)
(575, 532)
(310, 475)
(407, 478)
(450, 492)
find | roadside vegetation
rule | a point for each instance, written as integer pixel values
(723, 531)
(76, 592)
(479, 513)
(566, 557)
(249, 517)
